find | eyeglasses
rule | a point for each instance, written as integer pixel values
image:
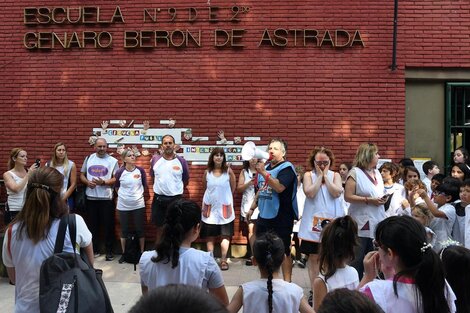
(320, 163)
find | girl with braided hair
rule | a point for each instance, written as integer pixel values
(174, 261)
(281, 296)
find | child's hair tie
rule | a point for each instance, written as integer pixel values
(425, 247)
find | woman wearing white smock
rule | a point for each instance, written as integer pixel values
(246, 186)
(364, 191)
(322, 188)
(217, 204)
(16, 179)
(67, 168)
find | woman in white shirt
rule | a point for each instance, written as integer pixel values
(16, 179)
(131, 181)
(31, 237)
(67, 168)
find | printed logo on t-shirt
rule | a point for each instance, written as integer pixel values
(136, 176)
(318, 222)
(366, 226)
(176, 168)
(98, 170)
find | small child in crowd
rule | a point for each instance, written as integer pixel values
(270, 293)
(458, 231)
(336, 250)
(442, 210)
(436, 181)
(422, 214)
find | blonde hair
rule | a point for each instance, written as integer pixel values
(365, 154)
(55, 161)
(13, 154)
(423, 212)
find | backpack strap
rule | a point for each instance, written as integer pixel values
(59, 241)
(72, 230)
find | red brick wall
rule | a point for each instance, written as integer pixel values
(307, 95)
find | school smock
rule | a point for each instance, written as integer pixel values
(16, 199)
(323, 206)
(383, 294)
(131, 186)
(64, 170)
(104, 168)
(367, 216)
(217, 203)
(398, 195)
(286, 296)
(195, 268)
(27, 258)
(300, 206)
(443, 226)
(458, 229)
(345, 277)
(248, 196)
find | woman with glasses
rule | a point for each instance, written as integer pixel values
(415, 281)
(131, 181)
(322, 188)
(365, 192)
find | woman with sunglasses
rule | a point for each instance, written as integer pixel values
(323, 189)
(365, 192)
(415, 281)
(131, 182)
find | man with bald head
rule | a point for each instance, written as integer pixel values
(97, 174)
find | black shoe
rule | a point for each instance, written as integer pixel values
(302, 262)
(310, 298)
(249, 262)
(121, 259)
(109, 256)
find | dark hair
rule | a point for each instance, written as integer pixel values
(393, 168)
(177, 299)
(407, 238)
(464, 168)
(210, 162)
(466, 155)
(449, 189)
(181, 217)
(410, 169)
(343, 300)
(405, 162)
(42, 203)
(268, 251)
(427, 166)
(348, 165)
(439, 177)
(456, 262)
(337, 244)
(168, 135)
(465, 183)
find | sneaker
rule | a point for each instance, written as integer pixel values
(310, 298)
(97, 255)
(121, 259)
(249, 262)
(109, 256)
(302, 263)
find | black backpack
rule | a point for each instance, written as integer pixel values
(132, 252)
(67, 283)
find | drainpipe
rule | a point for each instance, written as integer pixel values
(395, 26)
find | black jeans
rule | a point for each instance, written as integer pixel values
(101, 215)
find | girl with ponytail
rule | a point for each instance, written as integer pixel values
(279, 295)
(339, 238)
(415, 275)
(174, 261)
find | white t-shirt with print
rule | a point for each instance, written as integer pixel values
(442, 226)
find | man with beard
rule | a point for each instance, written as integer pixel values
(97, 174)
(170, 173)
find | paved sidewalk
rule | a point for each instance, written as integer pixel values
(124, 287)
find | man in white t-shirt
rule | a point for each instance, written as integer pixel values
(170, 173)
(97, 174)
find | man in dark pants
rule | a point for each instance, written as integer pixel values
(170, 174)
(97, 174)
(277, 202)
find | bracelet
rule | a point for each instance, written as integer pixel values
(267, 177)
(367, 200)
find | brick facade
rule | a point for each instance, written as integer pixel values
(337, 97)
